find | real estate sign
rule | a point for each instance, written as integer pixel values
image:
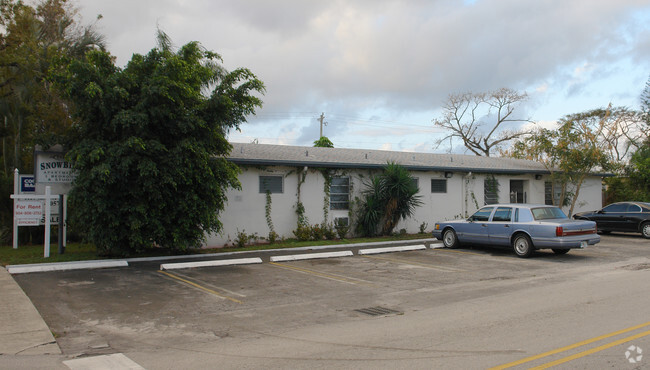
(28, 212)
(52, 168)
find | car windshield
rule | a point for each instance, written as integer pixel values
(547, 213)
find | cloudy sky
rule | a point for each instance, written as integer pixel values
(380, 70)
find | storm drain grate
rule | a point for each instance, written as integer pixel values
(378, 311)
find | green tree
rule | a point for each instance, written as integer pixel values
(645, 110)
(634, 182)
(388, 198)
(36, 42)
(151, 145)
(581, 145)
(323, 142)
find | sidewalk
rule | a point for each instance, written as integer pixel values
(22, 329)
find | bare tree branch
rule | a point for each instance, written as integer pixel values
(479, 119)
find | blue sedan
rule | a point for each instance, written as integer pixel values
(523, 227)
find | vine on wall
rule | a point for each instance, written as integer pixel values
(269, 221)
(327, 184)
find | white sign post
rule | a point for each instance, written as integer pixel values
(28, 208)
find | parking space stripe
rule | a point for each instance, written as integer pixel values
(211, 285)
(397, 260)
(579, 344)
(199, 286)
(343, 279)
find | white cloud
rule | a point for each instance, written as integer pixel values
(401, 58)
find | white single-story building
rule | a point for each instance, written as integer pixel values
(451, 186)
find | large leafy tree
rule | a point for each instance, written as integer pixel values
(151, 144)
(635, 184)
(36, 39)
(389, 197)
(34, 43)
(582, 144)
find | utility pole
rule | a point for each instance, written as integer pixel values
(322, 119)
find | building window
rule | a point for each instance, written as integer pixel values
(438, 185)
(271, 184)
(491, 190)
(416, 182)
(340, 193)
(552, 193)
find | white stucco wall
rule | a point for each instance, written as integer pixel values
(245, 210)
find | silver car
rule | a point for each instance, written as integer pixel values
(524, 227)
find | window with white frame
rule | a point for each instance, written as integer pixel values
(340, 193)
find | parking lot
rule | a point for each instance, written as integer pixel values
(141, 308)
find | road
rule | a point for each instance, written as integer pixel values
(439, 308)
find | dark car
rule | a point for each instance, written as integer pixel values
(622, 216)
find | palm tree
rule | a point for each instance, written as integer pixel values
(389, 197)
(399, 195)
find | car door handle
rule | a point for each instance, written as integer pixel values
(483, 225)
(506, 225)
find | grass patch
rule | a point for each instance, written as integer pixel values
(26, 254)
(34, 254)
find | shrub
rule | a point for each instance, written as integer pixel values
(302, 232)
(273, 237)
(342, 228)
(317, 232)
(242, 239)
(329, 232)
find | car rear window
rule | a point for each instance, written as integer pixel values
(547, 213)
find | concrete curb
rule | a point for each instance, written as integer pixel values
(61, 266)
(307, 256)
(391, 249)
(185, 265)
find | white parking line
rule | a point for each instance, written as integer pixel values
(186, 265)
(308, 256)
(392, 249)
(63, 266)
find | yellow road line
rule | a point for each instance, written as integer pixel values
(199, 286)
(344, 279)
(569, 347)
(593, 350)
(397, 260)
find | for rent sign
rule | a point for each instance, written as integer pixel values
(28, 212)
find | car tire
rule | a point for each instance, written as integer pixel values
(560, 251)
(523, 246)
(450, 239)
(645, 230)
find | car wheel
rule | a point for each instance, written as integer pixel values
(449, 239)
(522, 245)
(645, 230)
(560, 251)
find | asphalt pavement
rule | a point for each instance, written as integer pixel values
(27, 342)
